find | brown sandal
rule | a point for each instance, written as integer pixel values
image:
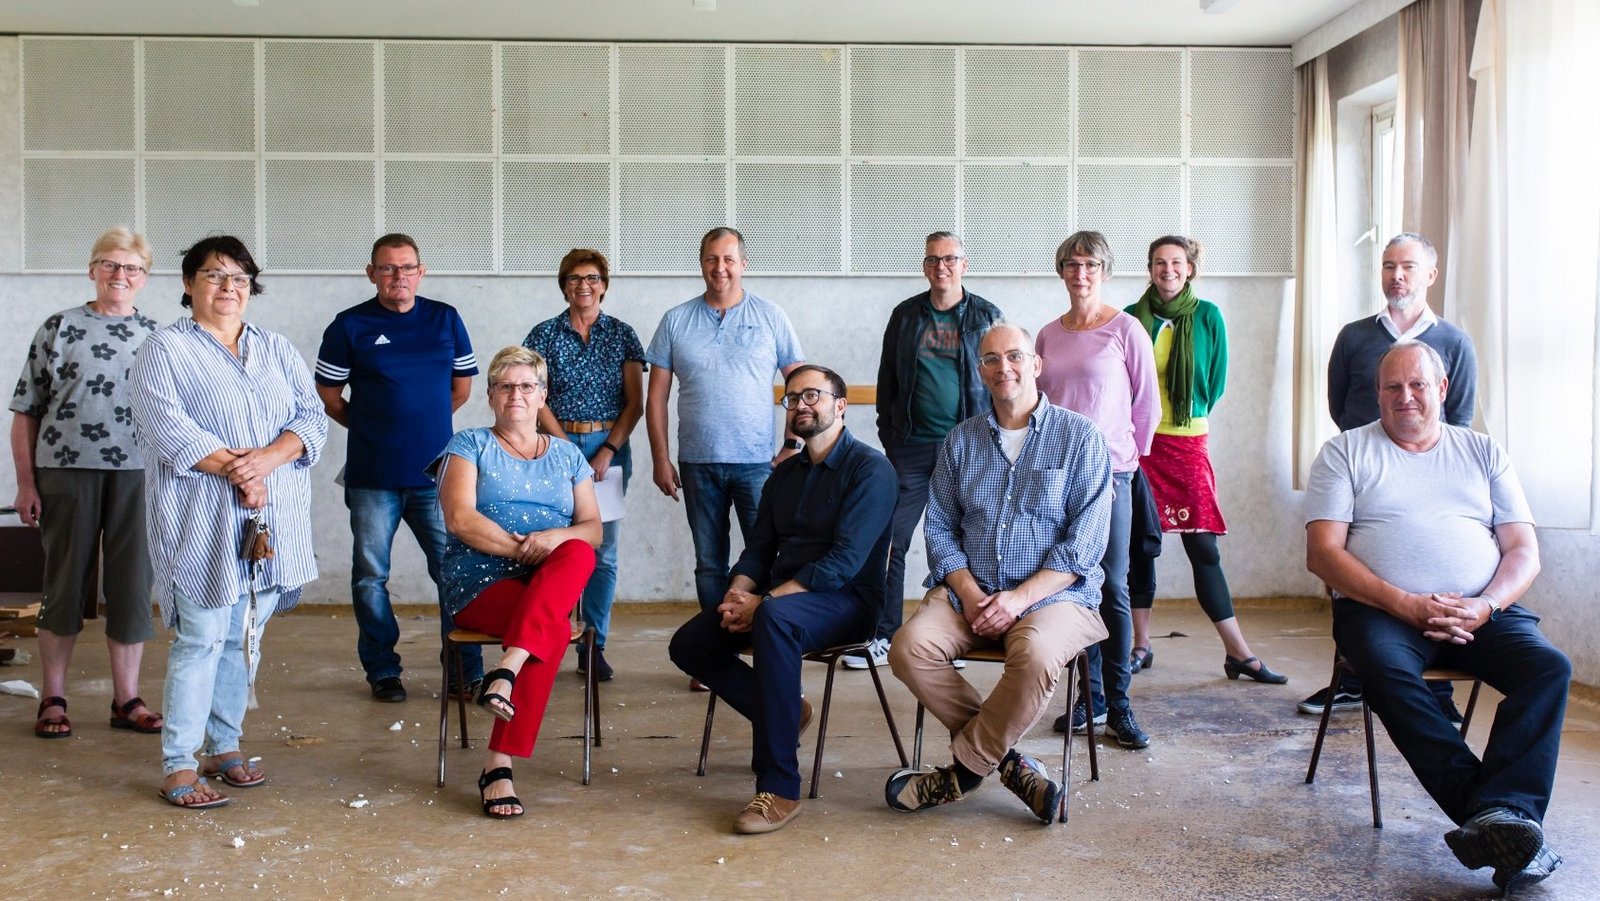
(148, 722)
(43, 721)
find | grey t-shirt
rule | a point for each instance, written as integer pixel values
(75, 383)
(1421, 522)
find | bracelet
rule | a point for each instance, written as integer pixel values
(611, 447)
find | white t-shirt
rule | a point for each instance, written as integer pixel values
(1421, 522)
(1011, 442)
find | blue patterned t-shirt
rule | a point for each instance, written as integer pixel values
(585, 379)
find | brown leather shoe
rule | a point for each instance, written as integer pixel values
(765, 813)
(805, 721)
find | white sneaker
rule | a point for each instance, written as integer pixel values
(878, 648)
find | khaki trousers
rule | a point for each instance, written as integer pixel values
(982, 731)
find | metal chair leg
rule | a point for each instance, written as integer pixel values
(590, 707)
(916, 744)
(1066, 747)
(461, 699)
(888, 715)
(444, 707)
(1083, 687)
(705, 738)
(1472, 704)
(822, 728)
(1322, 725)
(1372, 762)
(594, 685)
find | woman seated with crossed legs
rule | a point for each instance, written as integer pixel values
(523, 522)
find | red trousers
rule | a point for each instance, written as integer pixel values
(532, 613)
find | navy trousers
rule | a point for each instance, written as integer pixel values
(913, 466)
(1512, 655)
(766, 691)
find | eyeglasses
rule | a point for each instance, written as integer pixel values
(222, 276)
(576, 280)
(1077, 266)
(1014, 357)
(389, 271)
(109, 267)
(506, 389)
(808, 396)
(949, 260)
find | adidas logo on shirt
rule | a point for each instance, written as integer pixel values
(382, 339)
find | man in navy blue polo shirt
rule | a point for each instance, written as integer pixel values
(409, 365)
(811, 576)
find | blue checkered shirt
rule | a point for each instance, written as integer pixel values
(1005, 521)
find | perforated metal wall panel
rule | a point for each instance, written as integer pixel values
(1241, 103)
(200, 95)
(67, 204)
(1018, 101)
(555, 98)
(447, 206)
(1244, 217)
(438, 98)
(318, 214)
(1130, 103)
(671, 99)
(78, 94)
(664, 208)
(892, 209)
(318, 97)
(1015, 216)
(789, 214)
(903, 101)
(788, 101)
(185, 200)
(1131, 206)
(550, 208)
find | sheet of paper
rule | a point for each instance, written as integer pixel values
(608, 492)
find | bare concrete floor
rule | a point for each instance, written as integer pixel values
(1215, 808)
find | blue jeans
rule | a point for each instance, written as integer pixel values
(1512, 655)
(375, 515)
(595, 606)
(913, 465)
(766, 691)
(208, 680)
(708, 490)
(1109, 673)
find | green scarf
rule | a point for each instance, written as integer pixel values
(1180, 363)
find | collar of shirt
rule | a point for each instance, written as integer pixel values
(601, 323)
(1426, 320)
(1033, 417)
(836, 456)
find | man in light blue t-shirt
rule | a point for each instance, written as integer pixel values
(724, 346)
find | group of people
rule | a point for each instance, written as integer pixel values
(1047, 467)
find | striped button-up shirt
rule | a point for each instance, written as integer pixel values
(191, 397)
(1005, 521)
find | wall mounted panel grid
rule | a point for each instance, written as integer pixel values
(838, 159)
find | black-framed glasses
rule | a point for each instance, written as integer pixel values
(1014, 357)
(221, 277)
(808, 396)
(1076, 265)
(950, 260)
(111, 267)
(591, 280)
(388, 270)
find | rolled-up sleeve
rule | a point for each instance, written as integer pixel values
(1086, 497)
(942, 528)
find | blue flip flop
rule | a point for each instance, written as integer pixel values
(173, 795)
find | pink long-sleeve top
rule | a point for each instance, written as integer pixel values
(1109, 375)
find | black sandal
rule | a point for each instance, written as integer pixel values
(489, 778)
(508, 710)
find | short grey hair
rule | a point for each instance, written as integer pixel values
(1004, 323)
(1086, 244)
(946, 236)
(1435, 362)
(1414, 238)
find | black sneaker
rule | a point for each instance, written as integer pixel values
(1544, 863)
(1080, 719)
(602, 670)
(1343, 699)
(1497, 837)
(1120, 723)
(389, 690)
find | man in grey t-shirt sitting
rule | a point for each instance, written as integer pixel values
(1423, 533)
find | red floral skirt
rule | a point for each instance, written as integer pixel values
(1185, 487)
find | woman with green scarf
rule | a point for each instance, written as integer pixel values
(1191, 350)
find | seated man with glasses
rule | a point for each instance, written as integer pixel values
(1019, 508)
(409, 365)
(810, 577)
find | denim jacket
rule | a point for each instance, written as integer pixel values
(897, 364)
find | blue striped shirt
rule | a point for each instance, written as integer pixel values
(1005, 521)
(191, 398)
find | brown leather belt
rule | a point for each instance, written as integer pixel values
(587, 428)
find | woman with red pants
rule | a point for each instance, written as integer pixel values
(523, 522)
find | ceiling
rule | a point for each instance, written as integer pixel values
(1126, 22)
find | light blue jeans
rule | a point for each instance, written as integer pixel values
(375, 516)
(208, 679)
(595, 606)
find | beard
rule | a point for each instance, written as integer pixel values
(818, 423)
(1402, 302)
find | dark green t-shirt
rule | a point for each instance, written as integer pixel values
(936, 400)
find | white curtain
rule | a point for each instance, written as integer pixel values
(1530, 245)
(1431, 121)
(1317, 270)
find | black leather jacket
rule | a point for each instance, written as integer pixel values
(897, 364)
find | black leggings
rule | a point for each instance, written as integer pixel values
(1210, 585)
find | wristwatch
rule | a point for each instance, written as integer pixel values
(1494, 605)
(795, 444)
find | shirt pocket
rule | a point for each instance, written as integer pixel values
(1041, 493)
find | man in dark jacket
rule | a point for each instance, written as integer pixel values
(927, 382)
